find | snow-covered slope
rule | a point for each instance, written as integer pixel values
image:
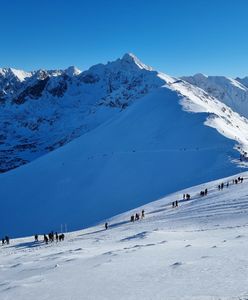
(164, 141)
(195, 251)
(232, 92)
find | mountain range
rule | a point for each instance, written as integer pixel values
(102, 141)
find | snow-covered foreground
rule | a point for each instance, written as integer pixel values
(196, 251)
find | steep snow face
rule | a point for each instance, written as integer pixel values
(50, 108)
(234, 93)
(195, 251)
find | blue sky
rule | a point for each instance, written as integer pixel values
(177, 37)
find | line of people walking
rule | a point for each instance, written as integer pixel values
(137, 216)
(50, 237)
(205, 192)
(234, 181)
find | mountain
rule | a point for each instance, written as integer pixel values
(43, 110)
(144, 134)
(195, 251)
(232, 92)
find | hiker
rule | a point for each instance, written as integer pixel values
(56, 236)
(36, 238)
(188, 196)
(61, 237)
(241, 179)
(173, 204)
(51, 236)
(202, 193)
(222, 185)
(176, 204)
(236, 181)
(45, 239)
(206, 192)
(183, 196)
(106, 225)
(219, 187)
(3, 241)
(137, 216)
(143, 213)
(7, 240)
(132, 218)
(227, 185)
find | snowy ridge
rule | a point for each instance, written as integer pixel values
(220, 116)
(11, 73)
(229, 91)
(195, 251)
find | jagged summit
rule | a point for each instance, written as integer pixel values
(132, 59)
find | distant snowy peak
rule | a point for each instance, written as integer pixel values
(10, 73)
(233, 93)
(72, 71)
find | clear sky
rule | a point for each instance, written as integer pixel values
(178, 37)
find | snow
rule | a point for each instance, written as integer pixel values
(195, 251)
(234, 93)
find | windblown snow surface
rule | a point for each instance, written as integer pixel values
(173, 137)
(196, 251)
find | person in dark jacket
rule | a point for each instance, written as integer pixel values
(7, 240)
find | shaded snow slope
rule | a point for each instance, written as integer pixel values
(196, 251)
(233, 93)
(153, 148)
